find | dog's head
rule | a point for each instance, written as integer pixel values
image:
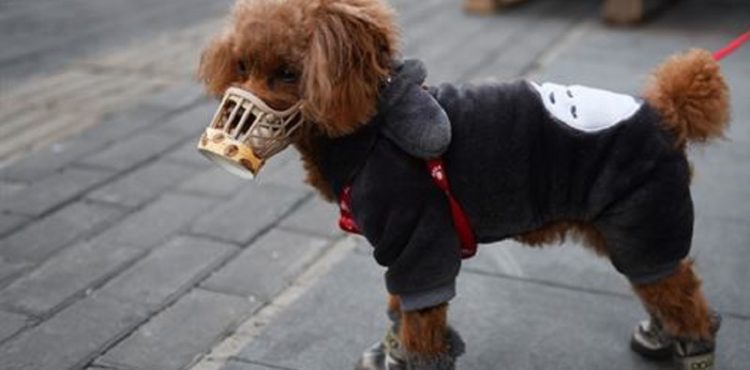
(330, 55)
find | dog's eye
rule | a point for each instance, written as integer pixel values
(242, 68)
(287, 75)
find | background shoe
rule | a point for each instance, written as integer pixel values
(480, 6)
(488, 6)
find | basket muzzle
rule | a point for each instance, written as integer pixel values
(245, 132)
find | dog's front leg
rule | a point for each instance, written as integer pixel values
(417, 340)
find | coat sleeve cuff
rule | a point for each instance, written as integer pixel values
(428, 298)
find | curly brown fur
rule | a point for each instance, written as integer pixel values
(308, 144)
(692, 96)
(558, 232)
(332, 55)
(679, 303)
(394, 303)
(423, 332)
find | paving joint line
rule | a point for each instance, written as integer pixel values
(572, 288)
(556, 48)
(299, 231)
(60, 43)
(498, 52)
(423, 13)
(200, 194)
(80, 294)
(192, 285)
(262, 232)
(546, 283)
(169, 302)
(252, 299)
(212, 238)
(26, 326)
(83, 237)
(264, 364)
(251, 328)
(102, 68)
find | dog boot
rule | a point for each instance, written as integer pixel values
(390, 355)
(384, 355)
(694, 354)
(381, 355)
(697, 354)
(651, 341)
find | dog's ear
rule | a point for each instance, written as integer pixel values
(351, 48)
(218, 66)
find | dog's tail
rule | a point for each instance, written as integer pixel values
(692, 96)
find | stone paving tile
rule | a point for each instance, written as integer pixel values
(156, 222)
(317, 217)
(423, 20)
(172, 339)
(10, 223)
(610, 77)
(568, 264)
(500, 35)
(240, 365)
(215, 182)
(518, 324)
(118, 125)
(289, 173)
(183, 95)
(720, 249)
(49, 160)
(519, 55)
(10, 271)
(40, 239)
(10, 323)
(167, 272)
(188, 154)
(720, 175)
(307, 334)
(71, 338)
(191, 123)
(143, 184)
(53, 191)
(9, 187)
(248, 213)
(132, 151)
(267, 266)
(75, 270)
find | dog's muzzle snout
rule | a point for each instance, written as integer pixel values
(245, 132)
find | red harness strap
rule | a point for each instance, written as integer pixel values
(460, 221)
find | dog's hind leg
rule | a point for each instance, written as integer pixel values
(682, 325)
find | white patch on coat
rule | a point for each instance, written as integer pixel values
(585, 108)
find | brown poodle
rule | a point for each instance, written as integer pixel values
(338, 57)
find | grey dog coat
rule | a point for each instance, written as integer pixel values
(518, 156)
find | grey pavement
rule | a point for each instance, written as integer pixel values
(121, 248)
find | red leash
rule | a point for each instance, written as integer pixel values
(732, 46)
